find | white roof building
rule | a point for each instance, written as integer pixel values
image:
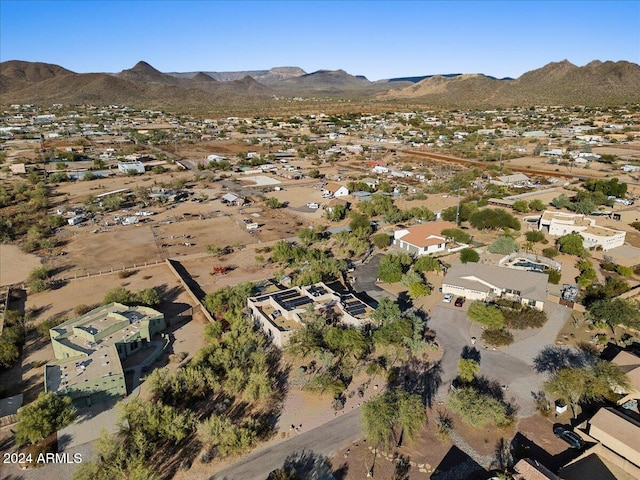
(560, 223)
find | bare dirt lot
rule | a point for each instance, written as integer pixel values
(15, 265)
(27, 376)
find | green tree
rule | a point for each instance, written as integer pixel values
(308, 236)
(477, 409)
(360, 224)
(616, 311)
(550, 252)
(118, 458)
(119, 295)
(561, 202)
(467, 369)
(572, 244)
(391, 416)
(595, 382)
(504, 245)
(489, 316)
(427, 263)
(417, 290)
(381, 240)
(39, 419)
(386, 311)
(273, 202)
(148, 297)
(535, 236)
(392, 267)
(493, 218)
(469, 255)
(336, 213)
(521, 206)
(536, 205)
(457, 235)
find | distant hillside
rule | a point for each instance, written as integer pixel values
(555, 83)
(143, 85)
(16, 74)
(145, 73)
(266, 77)
(21, 82)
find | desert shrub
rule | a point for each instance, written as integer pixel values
(49, 323)
(554, 276)
(535, 236)
(487, 315)
(478, 409)
(624, 271)
(82, 309)
(381, 240)
(126, 273)
(550, 252)
(469, 255)
(608, 266)
(497, 338)
(525, 317)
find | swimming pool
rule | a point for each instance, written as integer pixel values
(538, 267)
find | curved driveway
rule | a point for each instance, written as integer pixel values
(510, 366)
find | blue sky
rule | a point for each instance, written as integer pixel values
(379, 39)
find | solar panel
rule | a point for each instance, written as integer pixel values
(287, 294)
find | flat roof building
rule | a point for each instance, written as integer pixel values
(89, 350)
(560, 223)
(281, 313)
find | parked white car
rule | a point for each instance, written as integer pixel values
(447, 298)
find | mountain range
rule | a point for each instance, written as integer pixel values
(554, 84)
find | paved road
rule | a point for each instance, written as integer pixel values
(324, 440)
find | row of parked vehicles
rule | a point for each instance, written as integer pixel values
(449, 297)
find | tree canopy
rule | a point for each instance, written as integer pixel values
(593, 382)
(493, 218)
(478, 409)
(487, 315)
(391, 416)
(45, 415)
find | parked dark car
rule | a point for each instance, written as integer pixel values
(459, 301)
(572, 438)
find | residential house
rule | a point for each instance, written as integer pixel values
(560, 223)
(477, 281)
(514, 180)
(232, 199)
(616, 456)
(423, 239)
(629, 363)
(89, 351)
(280, 313)
(335, 189)
(528, 469)
(370, 182)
